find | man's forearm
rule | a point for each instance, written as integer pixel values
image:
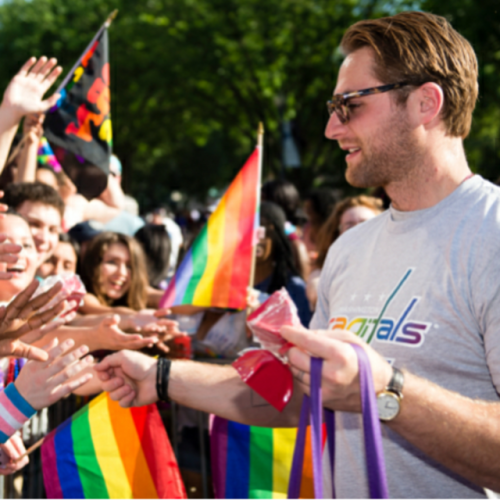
(219, 390)
(461, 433)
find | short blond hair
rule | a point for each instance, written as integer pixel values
(418, 47)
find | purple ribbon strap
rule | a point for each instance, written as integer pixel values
(375, 462)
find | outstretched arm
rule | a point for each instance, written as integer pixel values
(130, 377)
(23, 96)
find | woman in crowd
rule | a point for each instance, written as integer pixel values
(347, 213)
(114, 274)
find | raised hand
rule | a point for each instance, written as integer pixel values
(25, 91)
(129, 377)
(42, 383)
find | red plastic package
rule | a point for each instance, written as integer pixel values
(265, 370)
(72, 287)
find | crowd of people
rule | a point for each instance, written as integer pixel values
(50, 342)
(125, 263)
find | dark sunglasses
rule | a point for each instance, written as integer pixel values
(340, 106)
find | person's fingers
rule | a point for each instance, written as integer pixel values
(59, 349)
(163, 347)
(112, 361)
(135, 345)
(38, 302)
(125, 395)
(22, 350)
(70, 371)
(46, 68)
(17, 443)
(112, 383)
(52, 77)
(159, 313)
(302, 377)
(6, 276)
(299, 359)
(3, 208)
(62, 362)
(40, 319)
(26, 66)
(69, 386)
(50, 102)
(38, 66)
(14, 309)
(9, 248)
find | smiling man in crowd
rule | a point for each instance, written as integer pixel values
(417, 287)
(43, 209)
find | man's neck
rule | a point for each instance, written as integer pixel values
(443, 170)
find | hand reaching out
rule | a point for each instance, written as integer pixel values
(114, 339)
(21, 319)
(129, 377)
(42, 383)
(25, 91)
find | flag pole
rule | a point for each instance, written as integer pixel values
(260, 145)
(105, 25)
(31, 449)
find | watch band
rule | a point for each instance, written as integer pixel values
(396, 383)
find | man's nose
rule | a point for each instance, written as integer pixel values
(334, 128)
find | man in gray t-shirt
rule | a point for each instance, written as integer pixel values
(418, 286)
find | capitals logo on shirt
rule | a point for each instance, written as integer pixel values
(400, 329)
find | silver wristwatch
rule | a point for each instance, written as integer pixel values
(389, 400)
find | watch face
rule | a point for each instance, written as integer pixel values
(388, 405)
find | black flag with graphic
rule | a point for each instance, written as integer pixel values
(78, 127)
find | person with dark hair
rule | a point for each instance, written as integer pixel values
(275, 266)
(43, 209)
(63, 260)
(318, 205)
(155, 242)
(286, 196)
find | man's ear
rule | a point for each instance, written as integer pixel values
(429, 101)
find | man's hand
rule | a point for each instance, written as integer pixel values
(10, 452)
(111, 337)
(340, 376)
(25, 91)
(129, 377)
(42, 383)
(33, 127)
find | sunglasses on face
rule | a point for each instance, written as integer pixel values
(340, 106)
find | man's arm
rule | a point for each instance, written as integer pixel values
(461, 433)
(130, 377)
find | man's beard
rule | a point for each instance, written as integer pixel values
(395, 157)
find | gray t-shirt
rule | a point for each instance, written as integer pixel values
(437, 273)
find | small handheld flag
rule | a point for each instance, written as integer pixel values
(78, 127)
(46, 155)
(217, 268)
(105, 451)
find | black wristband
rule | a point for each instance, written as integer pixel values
(162, 377)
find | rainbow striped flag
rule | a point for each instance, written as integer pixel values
(216, 270)
(46, 156)
(255, 462)
(105, 451)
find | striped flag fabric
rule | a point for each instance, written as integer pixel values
(105, 451)
(255, 462)
(216, 269)
(46, 156)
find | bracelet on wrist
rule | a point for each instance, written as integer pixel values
(162, 378)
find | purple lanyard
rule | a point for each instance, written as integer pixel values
(312, 406)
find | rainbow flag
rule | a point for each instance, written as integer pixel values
(255, 462)
(46, 155)
(216, 270)
(105, 451)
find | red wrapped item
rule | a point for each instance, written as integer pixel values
(265, 370)
(73, 288)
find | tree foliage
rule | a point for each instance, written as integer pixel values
(191, 79)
